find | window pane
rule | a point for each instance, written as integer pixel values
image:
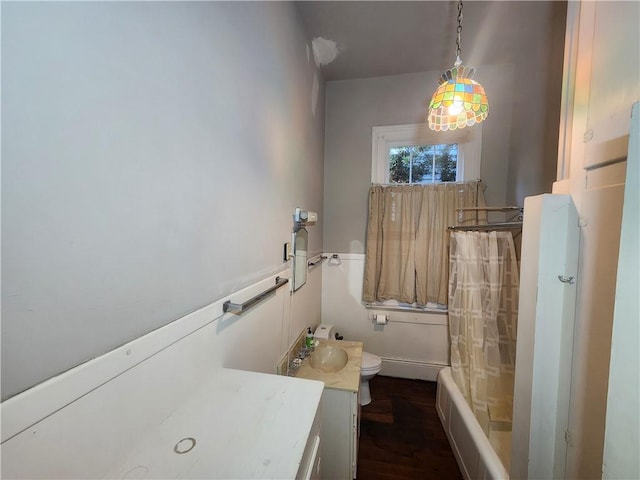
(399, 163)
(446, 162)
(423, 163)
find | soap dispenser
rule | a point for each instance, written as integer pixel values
(309, 339)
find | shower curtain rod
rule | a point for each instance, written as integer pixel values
(489, 209)
(488, 226)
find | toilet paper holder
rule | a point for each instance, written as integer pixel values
(380, 319)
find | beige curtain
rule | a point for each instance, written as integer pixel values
(483, 312)
(408, 237)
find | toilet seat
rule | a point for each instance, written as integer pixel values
(370, 362)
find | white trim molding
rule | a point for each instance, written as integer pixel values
(568, 90)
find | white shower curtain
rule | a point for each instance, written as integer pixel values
(483, 311)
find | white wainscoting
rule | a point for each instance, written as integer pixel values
(254, 341)
(118, 415)
(411, 345)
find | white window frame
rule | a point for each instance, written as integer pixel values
(384, 138)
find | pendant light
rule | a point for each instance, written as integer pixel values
(459, 101)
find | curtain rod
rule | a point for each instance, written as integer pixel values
(424, 184)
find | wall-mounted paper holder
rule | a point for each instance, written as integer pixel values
(380, 319)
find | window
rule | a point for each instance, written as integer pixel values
(415, 154)
(423, 163)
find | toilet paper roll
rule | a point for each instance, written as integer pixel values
(381, 319)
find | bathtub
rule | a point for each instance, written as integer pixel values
(475, 453)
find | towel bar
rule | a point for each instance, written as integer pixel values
(239, 308)
(320, 259)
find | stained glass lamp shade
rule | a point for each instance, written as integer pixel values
(458, 102)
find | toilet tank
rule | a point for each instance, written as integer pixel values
(324, 331)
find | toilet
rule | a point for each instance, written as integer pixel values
(371, 364)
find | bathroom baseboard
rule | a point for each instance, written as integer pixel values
(394, 367)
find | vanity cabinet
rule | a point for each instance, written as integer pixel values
(340, 426)
(340, 411)
(236, 424)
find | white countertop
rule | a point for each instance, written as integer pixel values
(245, 425)
(240, 425)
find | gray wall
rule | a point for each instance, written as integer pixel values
(533, 150)
(519, 140)
(152, 157)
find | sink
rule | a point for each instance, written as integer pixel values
(328, 358)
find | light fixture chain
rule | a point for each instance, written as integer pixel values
(459, 32)
(459, 101)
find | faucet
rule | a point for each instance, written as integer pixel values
(296, 361)
(304, 352)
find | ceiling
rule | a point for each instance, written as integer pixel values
(378, 38)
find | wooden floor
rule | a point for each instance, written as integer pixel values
(401, 436)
